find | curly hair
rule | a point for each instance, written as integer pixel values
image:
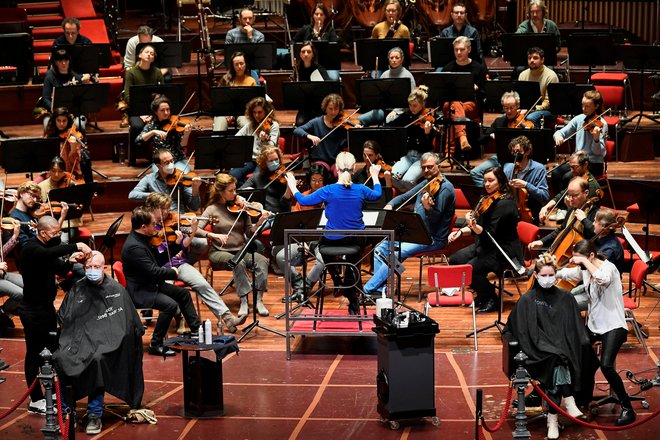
(262, 159)
(258, 102)
(222, 182)
(158, 200)
(545, 259)
(334, 98)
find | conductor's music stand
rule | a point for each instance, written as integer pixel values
(109, 241)
(82, 99)
(591, 49)
(222, 152)
(441, 51)
(232, 100)
(515, 47)
(382, 93)
(308, 95)
(17, 51)
(143, 95)
(257, 55)
(88, 58)
(328, 54)
(28, 155)
(367, 50)
(529, 92)
(541, 139)
(642, 57)
(566, 98)
(168, 53)
(393, 141)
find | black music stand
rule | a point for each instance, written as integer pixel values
(169, 53)
(447, 87)
(382, 93)
(642, 57)
(529, 92)
(82, 99)
(393, 141)
(28, 155)
(109, 241)
(88, 58)
(232, 100)
(328, 53)
(257, 55)
(441, 51)
(591, 49)
(222, 152)
(17, 51)
(566, 98)
(308, 95)
(541, 139)
(384, 199)
(143, 95)
(515, 46)
(367, 50)
(80, 195)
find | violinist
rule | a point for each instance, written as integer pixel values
(577, 195)
(607, 243)
(543, 75)
(263, 127)
(392, 26)
(271, 178)
(59, 178)
(229, 235)
(435, 200)
(308, 69)
(418, 121)
(158, 182)
(590, 131)
(27, 201)
(237, 75)
(161, 134)
(320, 29)
(496, 214)
(461, 27)
(76, 157)
(528, 175)
(371, 155)
(172, 252)
(11, 284)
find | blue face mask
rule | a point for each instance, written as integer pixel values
(272, 166)
(94, 275)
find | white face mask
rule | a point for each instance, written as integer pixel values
(547, 282)
(169, 168)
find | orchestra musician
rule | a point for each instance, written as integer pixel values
(228, 237)
(371, 154)
(343, 209)
(76, 158)
(496, 214)
(461, 27)
(265, 129)
(606, 320)
(538, 72)
(58, 177)
(271, 178)
(607, 243)
(319, 29)
(435, 200)
(28, 199)
(538, 23)
(173, 252)
(245, 33)
(236, 76)
(11, 284)
(70, 34)
(307, 69)
(392, 27)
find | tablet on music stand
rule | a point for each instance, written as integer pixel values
(529, 92)
(449, 86)
(28, 155)
(232, 100)
(88, 58)
(441, 51)
(258, 55)
(393, 141)
(515, 47)
(303, 95)
(169, 53)
(543, 146)
(222, 152)
(17, 51)
(143, 95)
(382, 93)
(566, 98)
(328, 54)
(367, 50)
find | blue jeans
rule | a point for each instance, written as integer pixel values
(477, 172)
(242, 173)
(407, 171)
(333, 75)
(536, 117)
(94, 402)
(372, 117)
(382, 271)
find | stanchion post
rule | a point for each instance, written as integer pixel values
(478, 414)
(47, 379)
(520, 381)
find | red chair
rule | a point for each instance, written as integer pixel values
(527, 233)
(118, 270)
(618, 79)
(612, 97)
(602, 180)
(430, 258)
(631, 299)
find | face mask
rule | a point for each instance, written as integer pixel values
(169, 168)
(272, 166)
(55, 241)
(94, 275)
(547, 282)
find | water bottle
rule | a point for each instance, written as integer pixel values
(383, 302)
(200, 334)
(208, 332)
(121, 152)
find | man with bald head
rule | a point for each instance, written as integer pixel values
(100, 346)
(42, 258)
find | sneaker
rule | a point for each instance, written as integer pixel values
(94, 425)
(558, 216)
(39, 407)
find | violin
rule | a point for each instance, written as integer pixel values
(346, 122)
(591, 122)
(521, 196)
(520, 121)
(485, 202)
(178, 176)
(167, 233)
(254, 209)
(174, 219)
(383, 167)
(176, 123)
(71, 132)
(266, 125)
(433, 186)
(9, 195)
(279, 174)
(8, 224)
(53, 208)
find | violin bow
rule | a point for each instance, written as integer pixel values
(587, 124)
(286, 169)
(427, 113)
(533, 105)
(2, 213)
(181, 175)
(416, 193)
(237, 217)
(339, 125)
(176, 119)
(262, 122)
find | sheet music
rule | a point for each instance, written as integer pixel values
(370, 219)
(633, 243)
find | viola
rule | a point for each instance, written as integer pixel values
(520, 121)
(8, 224)
(266, 125)
(485, 202)
(428, 117)
(383, 167)
(166, 233)
(178, 176)
(346, 122)
(71, 132)
(254, 209)
(174, 219)
(176, 123)
(279, 174)
(521, 196)
(434, 186)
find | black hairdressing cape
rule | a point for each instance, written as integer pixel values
(101, 341)
(551, 332)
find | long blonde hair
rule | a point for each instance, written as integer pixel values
(345, 163)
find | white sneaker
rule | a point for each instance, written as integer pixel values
(558, 216)
(553, 427)
(571, 407)
(39, 407)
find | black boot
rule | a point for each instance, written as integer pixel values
(488, 306)
(626, 418)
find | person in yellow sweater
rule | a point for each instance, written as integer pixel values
(238, 75)
(392, 27)
(543, 75)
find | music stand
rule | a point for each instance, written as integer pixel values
(541, 139)
(441, 51)
(253, 195)
(169, 53)
(109, 241)
(367, 50)
(80, 195)
(17, 51)
(328, 54)
(232, 100)
(143, 95)
(566, 98)
(515, 46)
(308, 95)
(88, 58)
(591, 49)
(257, 55)
(28, 155)
(382, 93)
(385, 197)
(222, 152)
(82, 99)
(529, 92)
(642, 57)
(393, 141)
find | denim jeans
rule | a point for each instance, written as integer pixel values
(536, 117)
(407, 171)
(477, 172)
(94, 402)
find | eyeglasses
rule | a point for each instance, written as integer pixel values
(391, 11)
(573, 196)
(574, 167)
(507, 108)
(54, 233)
(428, 167)
(458, 12)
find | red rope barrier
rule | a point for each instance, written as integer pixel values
(505, 411)
(592, 425)
(19, 401)
(64, 427)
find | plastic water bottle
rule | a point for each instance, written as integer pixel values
(208, 332)
(200, 334)
(383, 302)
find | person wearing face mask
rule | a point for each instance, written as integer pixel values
(43, 257)
(606, 317)
(547, 324)
(101, 335)
(271, 178)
